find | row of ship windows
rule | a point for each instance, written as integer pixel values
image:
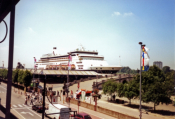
(91, 59)
(67, 58)
(57, 58)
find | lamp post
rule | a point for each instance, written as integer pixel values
(69, 55)
(34, 70)
(3, 64)
(140, 107)
(69, 59)
(44, 97)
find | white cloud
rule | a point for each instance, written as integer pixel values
(116, 14)
(4, 48)
(128, 14)
(31, 30)
(125, 14)
(15, 46)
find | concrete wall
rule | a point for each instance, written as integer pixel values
(103, 110)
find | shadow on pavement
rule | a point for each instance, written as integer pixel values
(163, 112)
(3, 109)
(137, 106)
(150, 109)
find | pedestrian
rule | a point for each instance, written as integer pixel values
(35, 98)
(31, 101)
(113, 97)
(26, 101)
(28, 97)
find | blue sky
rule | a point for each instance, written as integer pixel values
(112, 27)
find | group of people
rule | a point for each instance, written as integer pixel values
(36, 98)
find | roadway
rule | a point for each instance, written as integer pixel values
(22, 111)
(17, 104)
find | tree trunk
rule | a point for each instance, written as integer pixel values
(130, 102)
(154, 107)
(25, 90)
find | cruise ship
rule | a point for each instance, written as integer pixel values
(82, 60)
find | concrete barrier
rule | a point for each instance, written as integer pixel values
(103, 110)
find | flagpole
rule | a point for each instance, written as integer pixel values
(68, 76)
(33, 73)
(140, 80)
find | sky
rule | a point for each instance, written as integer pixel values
(112, 27)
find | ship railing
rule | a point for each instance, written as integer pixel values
(95, 51)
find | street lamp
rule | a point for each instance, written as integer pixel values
(44, 97)
(3, 64)
(140, 107)
(69, 58)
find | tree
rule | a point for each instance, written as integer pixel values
(20, 76)
(166, 69)
(131, 90)
(120, 89)
(27, 78)
(127, 70)
(155, 86)
(109, 87)
(15, 76)
(4, 73)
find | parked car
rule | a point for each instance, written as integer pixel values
(38, 107)
(83, 115)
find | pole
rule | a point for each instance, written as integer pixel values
(140, 107)
(10, 60)
(33, 73)
(78, 105)
(68, 76)
(44, 97)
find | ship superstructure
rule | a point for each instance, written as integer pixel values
(81, 60)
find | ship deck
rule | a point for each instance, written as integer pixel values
(64, 72)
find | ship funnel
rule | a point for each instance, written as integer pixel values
(55, 51)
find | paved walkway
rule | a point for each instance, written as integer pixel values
(120, 107)
(93, 114)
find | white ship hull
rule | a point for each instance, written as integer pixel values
(81, 60)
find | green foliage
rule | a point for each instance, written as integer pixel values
(156, 86)
(4, 73)
(166, 69)
(20, 76)
(109, 87)
(27, 78)
(15, 76)
(120, 89)
(127, 70)
(131, 90)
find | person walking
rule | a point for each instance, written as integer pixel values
(40, 99)
(28, 97)
(26, 101)
(31, 101)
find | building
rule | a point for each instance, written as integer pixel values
(158, 64)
